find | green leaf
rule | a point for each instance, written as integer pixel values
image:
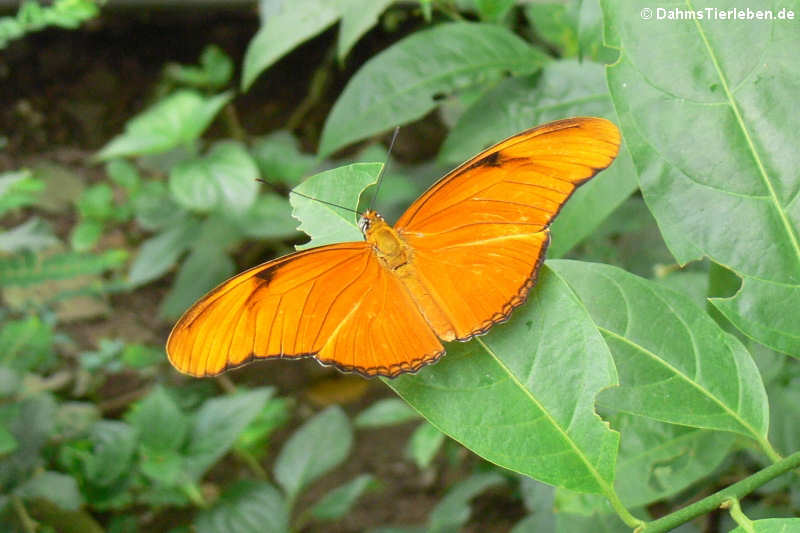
(217, 424)
(31, 422)
(340, 500)
(225, 179)
(203, 269)
(55, 487)
(423, 445)
(295, 23)
(114, 445)
(97, 202)
(358, 16)
(85, 235)
(535, 379)
(7, 441)
(160, 253)
(342, 186)
(28, 269)
(766, 312)
(712, 135)
(564, 88)
(402, 83)
(556, 23)
(676, 364)
(158, 419)
(770, 525)
(178, 119)
(493, 10)
(269, 218)
(164, 466)
(254, 439)
(33, 235)
(658, 460)
(246, 507)
(280, 159)
(124, 174)
(18, 189)
(154, 207)
(215, 70)
(453, 511)
(26, 344)
(386, 412)
(596, 523)
(784, 427)
(317, 447)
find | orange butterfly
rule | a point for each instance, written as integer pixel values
(458, 261)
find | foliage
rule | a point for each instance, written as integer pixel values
(640, 384)
(32, 16)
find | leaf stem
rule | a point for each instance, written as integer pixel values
(738, 515)
(622, 511)
(29, 525)
(708, 504)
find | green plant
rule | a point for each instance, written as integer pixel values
(667, 376)
(32, 16)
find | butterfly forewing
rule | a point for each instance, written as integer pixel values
(480, 233)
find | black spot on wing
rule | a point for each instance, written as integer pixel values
(268, 273)
(491, 160)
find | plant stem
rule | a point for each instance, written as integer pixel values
(735, 491)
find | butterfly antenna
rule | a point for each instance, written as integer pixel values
(324, 202)
(380, 176)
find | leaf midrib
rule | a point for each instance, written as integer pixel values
(752, 432)
(793, 238)
(601, 482)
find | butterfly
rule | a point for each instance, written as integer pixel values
(458, 261)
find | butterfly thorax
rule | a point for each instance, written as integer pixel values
(389, 247)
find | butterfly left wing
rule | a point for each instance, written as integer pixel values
(335, 303)
(479, 234)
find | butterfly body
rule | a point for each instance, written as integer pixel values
(458, 261)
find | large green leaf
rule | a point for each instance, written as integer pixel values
(405, 81)
(523, 396)
(332, 219)
(707, 110)
(294, 23)
(564, 88)
(676, 364)
(318, 446)
(177, 119)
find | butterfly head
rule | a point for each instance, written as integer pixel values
(368, 220)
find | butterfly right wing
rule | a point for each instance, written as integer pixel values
(335, 303)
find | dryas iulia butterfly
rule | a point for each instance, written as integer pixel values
(458, 261)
